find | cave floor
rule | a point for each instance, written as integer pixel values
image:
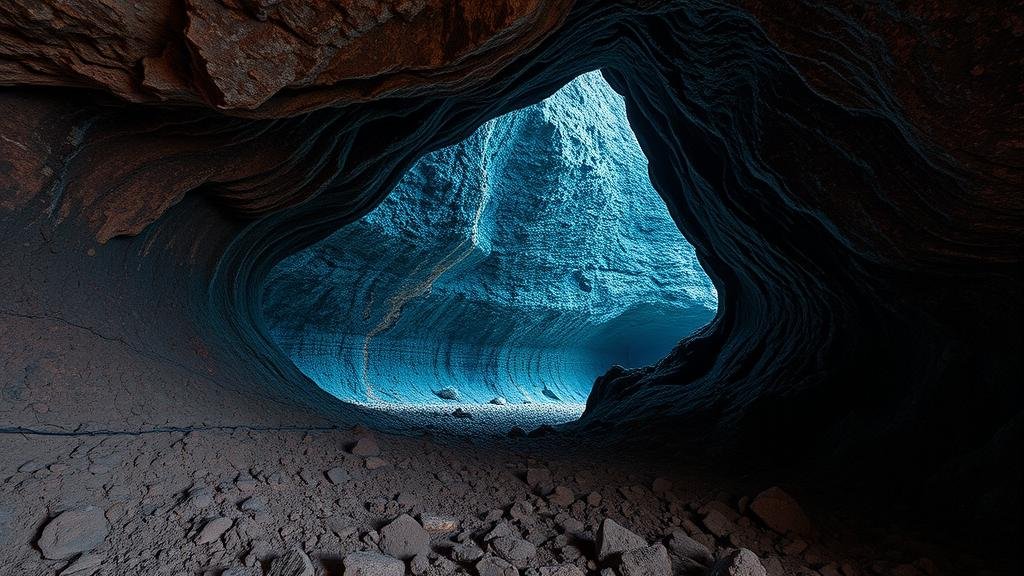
(231, 500)
(474, 419)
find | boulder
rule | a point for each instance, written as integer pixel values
(72, 532)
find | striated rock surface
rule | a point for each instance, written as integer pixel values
(520, 263)
(849, 175)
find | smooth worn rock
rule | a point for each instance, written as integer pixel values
(372, 564)
(647, 561)
(337, 475)
(404, 538)
(781, 512)
(614, 539)
(213, 530)
(294, 562)
(740, 562)
(73, 531)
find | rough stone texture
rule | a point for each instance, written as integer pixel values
(517, 551)
(404, 538)
(781, 512)
(294, 562)
(372, 564)
(613, 539)
(213, 530)
(848, 174)
(740, 562)
(682, 544)
(521, 262)
(647, 561)
(73, 531)
(491, 566)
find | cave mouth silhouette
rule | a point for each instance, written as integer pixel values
(500, 277)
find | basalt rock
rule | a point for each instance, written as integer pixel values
(848, 176)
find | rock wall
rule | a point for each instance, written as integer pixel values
(849, 175)
(520, 263)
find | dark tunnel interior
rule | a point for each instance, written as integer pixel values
(202, 201)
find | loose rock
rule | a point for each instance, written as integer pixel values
(294, 562)
(514, 549)
(337, 475)
(682, 545)
(372, 564)
(72, 532)
(647, 561)
(491, 566)
(213, 530)
(781, 512)
(740, 562)
(439, 524)
(404, 538)
(366, 446)
(614, 539)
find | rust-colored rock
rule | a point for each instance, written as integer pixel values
(781, 512)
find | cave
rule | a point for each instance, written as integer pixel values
(847, 174)
(500, 277)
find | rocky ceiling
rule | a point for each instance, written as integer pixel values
(849, 174)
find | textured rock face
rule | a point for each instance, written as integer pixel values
(848, 174)
(520, 263)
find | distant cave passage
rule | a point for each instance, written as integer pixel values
(515, 266)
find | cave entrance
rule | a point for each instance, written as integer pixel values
(500, 277)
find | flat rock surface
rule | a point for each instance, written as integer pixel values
(73, 531)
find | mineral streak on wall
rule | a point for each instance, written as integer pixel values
(520, 263)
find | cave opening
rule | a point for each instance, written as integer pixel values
(500, 277)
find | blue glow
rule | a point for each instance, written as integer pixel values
(520, 263)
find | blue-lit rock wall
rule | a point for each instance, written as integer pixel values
(521, 263)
